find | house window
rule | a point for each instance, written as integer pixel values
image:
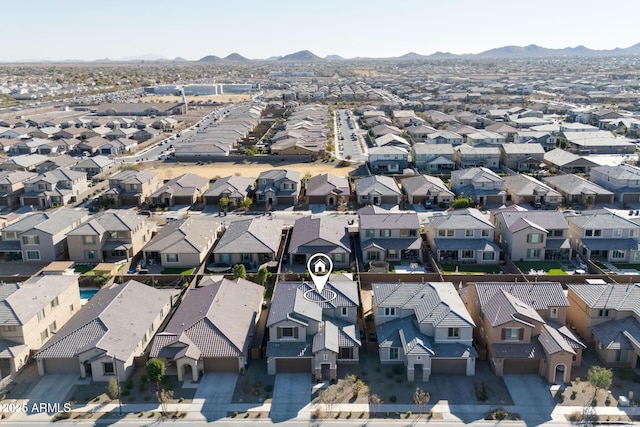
(288, 332)
(603, 312)
(41, 315)
(344, 311)
(385, 233)
(392, 253)
(633, 233)
(485, 233)
(71, 308)
(389, 311)
(454, 333)
(9, 328)
(617, 232)
(89, 240)
(345, 353)
(488, 256)
(394, 353)
(30, 240)
(325, 356)
(468, 254)
(10, 235)
(413, 233)
(55, 302)
(593, 233)
(445, 233)
(369, 233)
(44, 335)
(107, 368)
(621, 356)
(534, 238)
(512, 334)
(90, 254)
(373, 255)
(617, 254)
(404, 233)
(172, 257)
(557, 233)
(53, 327)
(553, 312)
(533, 253)
(338, 258)
(33, 255)
(468, 233)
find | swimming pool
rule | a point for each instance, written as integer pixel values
(87, 294)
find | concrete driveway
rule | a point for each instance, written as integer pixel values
(531, 396)
(51, 389)
(214, 393)
(291, 394)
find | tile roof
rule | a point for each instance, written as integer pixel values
(620, 334)
(322, 232)
(503, 307)
(530, 350)
(538, 295)
(327, 337)
(235, 186)
(384, 185)
(548, 220)
(389, 220)
(257, 235)
(290, 349)
(612, 296)
(193, 234)
(461, 220)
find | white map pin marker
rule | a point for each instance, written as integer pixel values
(319, 267)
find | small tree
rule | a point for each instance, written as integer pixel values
(155, 369)
(375, 401)
(421, 398)
(328, 397)
(113, 388)
(263, 275)
(164, 397)
(600, 379)
(239, 271)
(224, 203)
(246, 203)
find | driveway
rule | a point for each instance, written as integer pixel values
(291, 393)
(531, 396)
(214, 393)
(51, 389)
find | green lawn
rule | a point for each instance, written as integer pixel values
(470, 268)
(181, 271)
(551, 267)
(84, 269)
(628, 266)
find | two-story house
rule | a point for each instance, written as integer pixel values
(524, 189)
(533, 235)
(483, 185)
(12, 186)
(131, 188)
(42, 236)
(311, 332)
(388, 159)
(467, 156)
(605, 236)
(424, 326)
(58, 187)
(278, 187)
(486, 138)
(427, 190)
(608, 315)
(389, 236)
(522, 157)
(444, 137)
(95, 166)
(623, 180)
(462, 236)
(377, 190)
(109, 236)
(433, 158)
(33, 311)
(521, 328)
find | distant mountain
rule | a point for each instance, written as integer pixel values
(179, 59)
(442, 55)
(210, 58)
(235, 57)
(303, 55)
(535, 51)
(334, 58)
(411, 56)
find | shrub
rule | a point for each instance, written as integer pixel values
(268, 388)
(126, 392)
(625, 373)
(481, 392)
(398, 369)
(143, 378)
(408, 414)
(575, 416)
(128, 384)
(393, 399)
(142, 387)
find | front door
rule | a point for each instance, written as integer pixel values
(326, 372)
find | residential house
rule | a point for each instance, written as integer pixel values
(312, 332)
(41, 236)
(233, 188)
(433, 158)
(377, 190)
(58, 187)
(564, 161)
(485, 138)
(25, 162)
(597, 142)
(524, 189)
(117, 146)
(521, 327)
(462, 236)
(185, 243)
(95, 166)
(623, 180)
(33, 311)
(131, 188)
(467, 156)
(327, 189)
(607, 315)
(428, 190)
(604, 236)
(484, 186)
(388, 159)
(420, 133)
(444, 137)
(104, 337)
(186, 189)
(55, 162)
(109, 236)
(278, 187)
(424, 326)
(326, 235)
(389, 236)
(12, 186)
(252, 242)
(522, 157)
(509, 132)
(543, 137)
(381, 130)
(577, 190)
(211, 330)
(533, 235)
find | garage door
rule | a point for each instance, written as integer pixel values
(520, 366)
(449, 366)
(297, 365)
(221, 364)
(61, 366)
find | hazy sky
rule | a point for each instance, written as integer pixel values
(87, 29)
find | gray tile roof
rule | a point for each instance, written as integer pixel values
(607, 220)
(290, 349)
(288, 302)
(112, 321)
(525, 185)
(549, 220)
(572, 184)
(503, 307)
(235, 186)
(621, 334)
(403, 333)
(190, 235)
(219, 319)
(617, 297)
(327, 183)
(538, 295)
(327, 337)
(384, 185)
(553, 341)
(185, 184)
(622, 171)
(324, 233)
(476, 244)
(425, 184)
(257, 235)
(531, 350)
(389, 221)
(461, 220)
(111, 220)
(411, 243)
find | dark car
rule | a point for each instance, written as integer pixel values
(536, 205)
